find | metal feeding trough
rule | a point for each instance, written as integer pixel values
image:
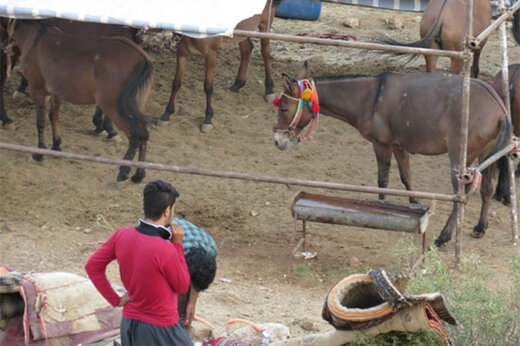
(378, 214)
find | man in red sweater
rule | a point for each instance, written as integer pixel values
(153, 271)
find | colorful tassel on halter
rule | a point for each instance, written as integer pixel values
(315, 108)
(276, 102)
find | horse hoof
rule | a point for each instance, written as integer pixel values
(115, 138)
(163, 122)
(269, 98)
(439, 242)
(205, 128)
(36, 158)
(503, 198)
(17, 94)
(122, 177)
(477, 235)
(137, 178)
(165, 117)
(237, 86)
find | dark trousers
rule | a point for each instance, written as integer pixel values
(138, 333)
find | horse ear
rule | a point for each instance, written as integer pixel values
(287, 82)
(303, 71)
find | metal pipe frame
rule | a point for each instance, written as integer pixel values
(507, 102)
(230, 175)
(475, 42)
(349, 44)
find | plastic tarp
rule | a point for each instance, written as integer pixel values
(196, 18)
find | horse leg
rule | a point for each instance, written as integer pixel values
(38, 96)
(403, 162)
(474, 68)
(431, 63)
(176, 85)
(211, 61)
(456, 65)
(384, 159)
(246, 47)
(133, 143)
(3, 77)
(103, 123)
(266, 55)
(98, 120)
(54, 112)
(486, 190)
(140, 172)
(502, 193)
(22, 87)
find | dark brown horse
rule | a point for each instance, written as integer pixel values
(113, 73)
(406, 114)
(208, 48)
(514, 96)
(443, 26)
(73, 28)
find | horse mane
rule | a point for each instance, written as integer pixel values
(350, 76)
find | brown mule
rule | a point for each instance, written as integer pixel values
(443, 26)
(208, 48)
(404, 114)
(73, 28)
(113, 73)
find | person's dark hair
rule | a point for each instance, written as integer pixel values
(202, 268)
(157, 196)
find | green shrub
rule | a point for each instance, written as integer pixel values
(485, 316)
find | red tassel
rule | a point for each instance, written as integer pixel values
(315, 108)
(276, 102)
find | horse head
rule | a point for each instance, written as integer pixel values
(297, 107)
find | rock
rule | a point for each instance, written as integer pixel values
(244, 332)
(354, 262)
(417, 19)
(351, 23)
(394, 22)
(199, 333)
(306, 324)
(5, 229)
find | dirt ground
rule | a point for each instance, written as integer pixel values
(53, 215)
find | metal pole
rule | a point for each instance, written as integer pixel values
(231, 175)
(507, 101)
(493, 158)
(468, 60)
(484, 34)
(350, 44)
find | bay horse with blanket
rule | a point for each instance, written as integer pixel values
(404, 114)
(208, 48)
(443, 26)
(112, 72)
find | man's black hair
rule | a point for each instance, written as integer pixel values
(157, 196)
(202, 268)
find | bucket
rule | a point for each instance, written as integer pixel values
(299, 9)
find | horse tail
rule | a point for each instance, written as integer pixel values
(130, 103)
(502, 192)
(431, 35)
(516, 26)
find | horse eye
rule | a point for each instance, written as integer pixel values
(283, 110)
